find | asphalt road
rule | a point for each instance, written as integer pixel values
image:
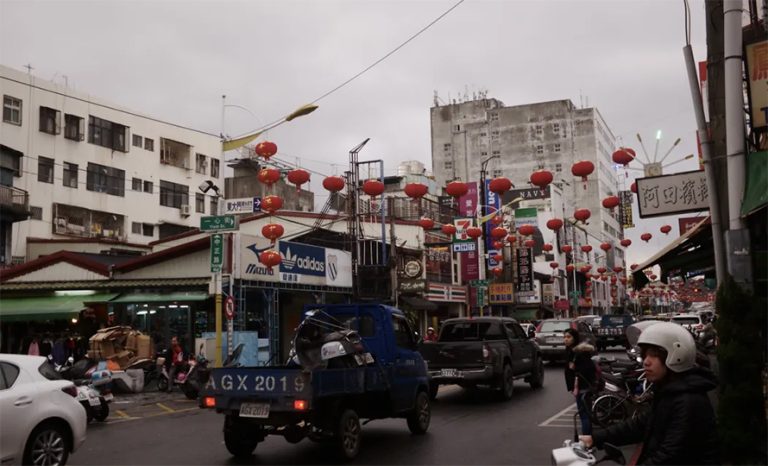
(466, 428)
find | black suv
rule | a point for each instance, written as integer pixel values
(613, 331)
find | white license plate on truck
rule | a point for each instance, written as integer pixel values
(260, 410)
(449, 373)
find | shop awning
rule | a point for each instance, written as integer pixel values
(420, 304)
(756, 192)
(161, 297)
(47, 307)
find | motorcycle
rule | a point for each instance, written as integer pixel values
(575, 453)
(92, 381)
(190, 377)
(323, 341)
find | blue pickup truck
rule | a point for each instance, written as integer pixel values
(326, 403)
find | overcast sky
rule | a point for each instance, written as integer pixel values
(174, 59)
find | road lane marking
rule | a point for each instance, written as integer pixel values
(122, 414)
(165, 408)
(557, 416)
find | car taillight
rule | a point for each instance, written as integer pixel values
(486, 352)
(209, 402)
(70, 390)
(300, 405)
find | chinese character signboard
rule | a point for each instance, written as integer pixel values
(493, 205)
(524, 271)
(217, 252)
(246, 205)
(686, 223)
(625, 209)
(757, 71)
(501, 293)
(672, 194)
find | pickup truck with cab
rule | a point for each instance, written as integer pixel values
(483, 351)
(325, 402)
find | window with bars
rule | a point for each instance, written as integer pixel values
(494, 116)
(448, 165)
(70, 175)
(539, 129)
(496, 173)
(36, 212)
(558, 167)
(12, 110)
(557, 147)
(173, 194)
(496, 152)
(149, 144)
(539, 149)
(44, 170)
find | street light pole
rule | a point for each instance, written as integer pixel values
(481, 248)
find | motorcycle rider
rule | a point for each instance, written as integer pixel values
(175, 361)
(580, 374)
(681, 427)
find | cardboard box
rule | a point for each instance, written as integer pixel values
(144, 347)
(130, 341)
(103, 349)
(123, 358)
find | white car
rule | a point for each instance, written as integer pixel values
(693, 322)
(42, 421)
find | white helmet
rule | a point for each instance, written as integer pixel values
(675, 340)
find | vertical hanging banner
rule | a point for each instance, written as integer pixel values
(757, 76)
(467, 206)
(524, 283)
(493, 202)
(625, 209)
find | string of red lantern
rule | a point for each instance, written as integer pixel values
(554, 224)
(333, 184)
(456, 189)
(583, 169)
(500, 185)
(541, 178)
(298, 177)
(266, 149)
(449, 229)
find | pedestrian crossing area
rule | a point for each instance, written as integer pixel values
(563, 419)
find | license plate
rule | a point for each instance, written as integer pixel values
(554, 340)
(94, 401)
(449, 373)
(109, 397)
(260, 410)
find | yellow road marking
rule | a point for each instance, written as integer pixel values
(166, 408)
(171, 412)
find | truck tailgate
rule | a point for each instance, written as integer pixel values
(455, 355)
(276, 386)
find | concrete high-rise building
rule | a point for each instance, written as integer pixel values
(524, 138)
(83, 168)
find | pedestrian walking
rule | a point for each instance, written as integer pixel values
(680, 428)
(431, 335)
(580, 374)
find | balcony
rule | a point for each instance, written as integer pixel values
(175, 153)
(14, 203)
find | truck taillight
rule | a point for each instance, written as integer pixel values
(209, 402)
(486, 352)
(300, 405)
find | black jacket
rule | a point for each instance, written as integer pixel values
(679, 429)
(584, 367)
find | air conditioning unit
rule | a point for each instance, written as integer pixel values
(184, 210)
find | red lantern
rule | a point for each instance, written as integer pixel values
(268, 176)
(547, 247)
(500, 185)
(588, 292)
(623, 280)
(373, 188)
(633, 187)
(333, 184)
(618, 269)
(633, 266)
(569, 268)
(498, 245)
(646, 237)
(270, 258)
(582, 215)
(626, 242)
(583, 168)
(271, 204)
(654, 277)
(415, 190)
(498, 233)
(474, 232)
(554, 224)
(605, 246)
(567, 248)
(613, 280)
(586, 248)
(541, 178)
(554, 265)
(266, 149)
(498, 257)
(298, 177)
(448, 229)
(456, 189)
(526, 230)
(426, 223)
(604, 278)
(601, 270)
(496, 220)
(623, 156)
(666, 229)
(497, 271)
(611, 202)
(511, 239)
(613, 293)
(529, 243)
(272, 231)
(585, 269)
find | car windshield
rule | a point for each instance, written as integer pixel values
(685, 320)
(47, 371)
(555, 326)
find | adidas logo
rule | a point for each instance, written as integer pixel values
(289, 260)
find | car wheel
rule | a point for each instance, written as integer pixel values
(418, 419)
(102, 413)
(537, 378)
(348, 434)
(238, 438)
(48, 444)
(507, 384)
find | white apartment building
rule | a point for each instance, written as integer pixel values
(93, 169)
(524, 138)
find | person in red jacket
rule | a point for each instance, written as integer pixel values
(175, 362)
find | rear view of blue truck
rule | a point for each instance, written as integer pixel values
(324, 401)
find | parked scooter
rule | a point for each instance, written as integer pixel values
(190, 377)
(575, 453)
(92, 382)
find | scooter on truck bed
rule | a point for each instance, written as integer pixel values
(349, 362)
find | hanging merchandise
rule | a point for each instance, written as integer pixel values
(266, 149)
(333, 184)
